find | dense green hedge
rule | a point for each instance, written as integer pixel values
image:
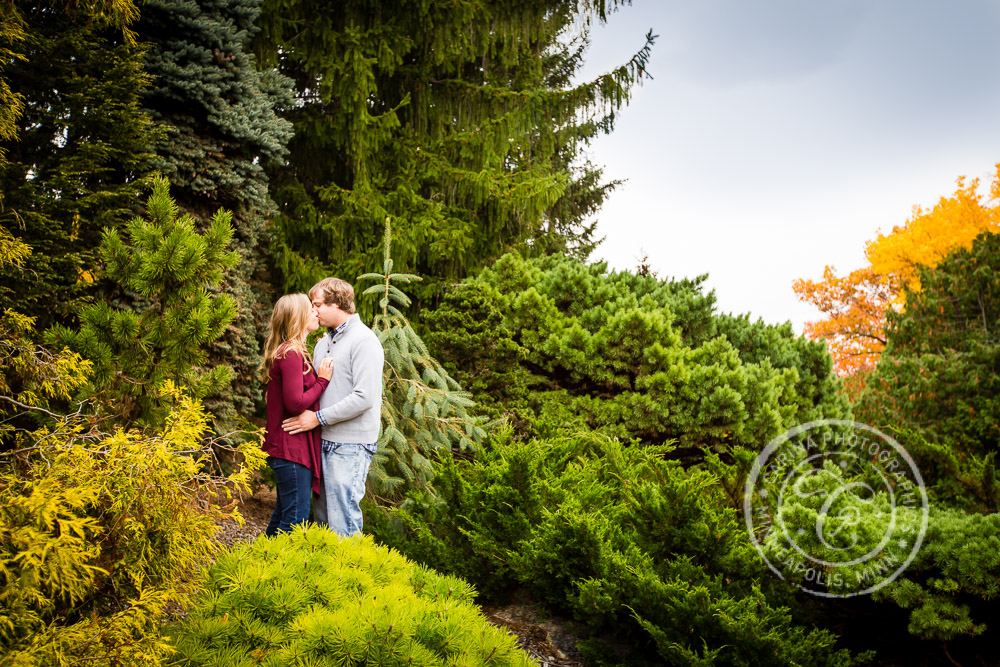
(618, 538)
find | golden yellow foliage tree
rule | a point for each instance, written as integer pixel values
(855, 305)
(929, 236)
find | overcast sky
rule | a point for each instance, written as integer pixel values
(777, 136)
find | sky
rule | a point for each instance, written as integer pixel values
(777, 136)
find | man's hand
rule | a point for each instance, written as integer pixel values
(305, 422)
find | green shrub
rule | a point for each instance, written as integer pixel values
(552, 340)
(954, 577)
(847, 516)
(308, 597)
(620, 539)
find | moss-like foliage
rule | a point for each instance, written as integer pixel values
(308, 597)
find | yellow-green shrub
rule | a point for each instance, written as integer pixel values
(99, 531)
(309, 597)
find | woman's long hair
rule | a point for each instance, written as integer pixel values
(287, 331)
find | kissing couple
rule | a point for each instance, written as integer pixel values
(323, 410)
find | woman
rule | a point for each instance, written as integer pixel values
(292, 389)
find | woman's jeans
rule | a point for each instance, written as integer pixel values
(294, 487)
(345, 470)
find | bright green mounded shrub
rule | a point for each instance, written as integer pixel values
(309, 597)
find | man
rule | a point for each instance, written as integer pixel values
(350, 408)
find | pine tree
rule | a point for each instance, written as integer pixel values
(454, 118)
(74, 155)
(575, 346)
(169, 264)
(222, 127)
(939, 373)
(425, 413)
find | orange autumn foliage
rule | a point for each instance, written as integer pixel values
(855, 305)
(855, 308)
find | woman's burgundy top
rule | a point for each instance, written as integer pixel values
(291, 392)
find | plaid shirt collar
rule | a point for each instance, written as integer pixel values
(334, 332)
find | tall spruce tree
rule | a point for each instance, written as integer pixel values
(73, 151)
(222, 127)
(455, 119)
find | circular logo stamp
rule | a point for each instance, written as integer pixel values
(836, 507)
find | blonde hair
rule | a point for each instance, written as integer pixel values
(287, 331)
(336, 292)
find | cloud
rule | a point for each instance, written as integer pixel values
(736, 42)
(777, 136)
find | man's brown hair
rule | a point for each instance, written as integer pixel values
(335, 292)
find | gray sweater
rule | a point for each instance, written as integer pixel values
(350, 409)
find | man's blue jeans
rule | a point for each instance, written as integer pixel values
(294, 484)
(345, 470)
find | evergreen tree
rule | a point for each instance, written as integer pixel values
(425, 413)
(940, 373)
(166, 262)
(72, 158)
(454, 118)
(571, 344)
(116, 13)
(222, 127)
